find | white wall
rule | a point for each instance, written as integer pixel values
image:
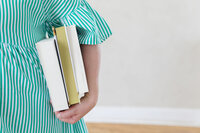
(153, 56)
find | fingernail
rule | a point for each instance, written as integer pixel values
(58, 115)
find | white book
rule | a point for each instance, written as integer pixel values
(77, 60)
(51, 68)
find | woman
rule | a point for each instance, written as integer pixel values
(24, 96)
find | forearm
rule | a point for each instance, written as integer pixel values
(91, 59)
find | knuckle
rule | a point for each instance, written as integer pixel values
(73, 121)
(75, 111)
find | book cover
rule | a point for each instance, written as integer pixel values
(51, 68)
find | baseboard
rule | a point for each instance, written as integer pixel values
(153, 116)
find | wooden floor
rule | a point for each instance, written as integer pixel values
(129, 128)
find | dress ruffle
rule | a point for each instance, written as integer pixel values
(91, 26)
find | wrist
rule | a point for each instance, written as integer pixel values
(90, 97)
(93, 99)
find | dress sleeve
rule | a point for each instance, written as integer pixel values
(91, 27)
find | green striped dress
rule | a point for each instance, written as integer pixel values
(24, 96)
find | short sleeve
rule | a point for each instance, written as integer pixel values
(91, 27)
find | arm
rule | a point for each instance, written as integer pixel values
(91, 59)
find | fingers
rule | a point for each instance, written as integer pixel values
(73, 120)
(66, 114)
(57, 113)
(69, 115)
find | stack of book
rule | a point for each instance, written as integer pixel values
(63, 67)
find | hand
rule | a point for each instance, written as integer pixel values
(77, 111)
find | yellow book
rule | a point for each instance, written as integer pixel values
(67, 64)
